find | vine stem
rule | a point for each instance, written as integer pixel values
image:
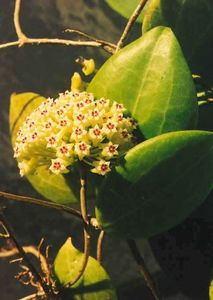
(21, 36)
(100, 246)
(23, 39)
(33, 296)
(22, 253)
(42, 203)
(110, 47)
(65, 42)
(143, 269)
(130, 23)
(87, 237)
(27, 249)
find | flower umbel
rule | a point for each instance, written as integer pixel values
(74, 127)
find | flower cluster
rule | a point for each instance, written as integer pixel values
(70, 128)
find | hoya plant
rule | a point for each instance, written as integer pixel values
(131, 138)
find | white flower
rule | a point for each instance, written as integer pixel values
(95, 134)
(78, 134)
(110, 150)
(52, 141)
(101, 167)
(64, 122)
(89, 101)
(64, 150)
(118, 107)
(58, 166)
(80, 118)
(109, 128)
(73, 127)
(82, 149)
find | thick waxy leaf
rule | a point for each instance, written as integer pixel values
(151, 78)
(94, 283)
(21, 105)
(192, 22)
(205, 211)
(159, 184)
(126, 7)
(53, 187)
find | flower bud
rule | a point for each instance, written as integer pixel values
(88, 66)
(77, 84)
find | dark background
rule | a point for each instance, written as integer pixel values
(180, 259)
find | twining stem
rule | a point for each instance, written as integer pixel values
(23, 39)
(100, 246)
(83, 204)
(42, 203)
(21, 36)
(56, 41)
(130, 23)
(22, 253)
(33, 296)
(109, 47)
(28, 249)
(83, 200)
(143, 269)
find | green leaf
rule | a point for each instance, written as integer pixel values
(94, 283)
(126, 7)
(161, 181)
(57, 188)
(53, 187)
(151, 78)
(192, 23)
(205, 211)
(21, 105)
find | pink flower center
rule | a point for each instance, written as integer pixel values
(17, 150)
(104, 167)
(48, 125)
(88, 101)
(60, 112)
(97, 132)
(95, 113)
(52, 140)
(57, 165)
(112, 149)
(24, 140)
(78, 131)
(110, 126)
(64, 150)
(63, 123)
(80, 105)
(34, 135)
(120, 118)
(119, 106)
(125, 134)
(80, 117)
(102, 101)
(83, 147)
(31, 124)
(44, 112)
